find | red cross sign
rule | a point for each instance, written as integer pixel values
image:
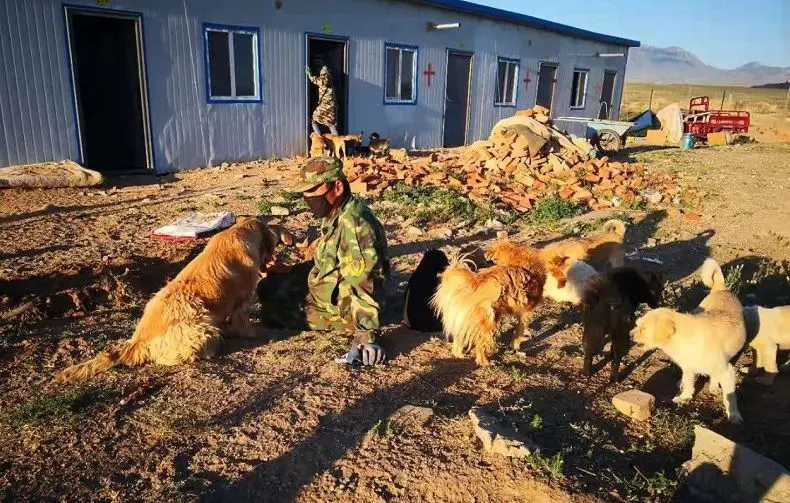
(430, 73)
(527, 80)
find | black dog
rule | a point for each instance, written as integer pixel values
(417, 312)
(610, 302)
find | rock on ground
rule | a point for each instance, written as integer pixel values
(634, 404)
(410, 416)
(497, 439)
(721, 470)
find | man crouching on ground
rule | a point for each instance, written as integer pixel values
(342, 288)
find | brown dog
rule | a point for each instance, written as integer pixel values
(339, 142)
(186, 319)
(597, 249)
(506, 252)
(318, 147)
(471, 304)
(566, 278)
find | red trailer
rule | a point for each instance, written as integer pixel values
(700, 120)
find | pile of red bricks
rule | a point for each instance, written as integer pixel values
(502, 169)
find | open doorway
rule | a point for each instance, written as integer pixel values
(456, 98)
(332, 52)
(547, 81)
(106, 53)
(607, 94)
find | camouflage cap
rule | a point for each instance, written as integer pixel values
(316, 171)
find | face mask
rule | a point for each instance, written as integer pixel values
(318, 205)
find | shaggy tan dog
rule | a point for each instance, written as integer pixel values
(471, 304)
(567, 278)
(702, 342)
(210, 296)
(597, 249)
(769, 331)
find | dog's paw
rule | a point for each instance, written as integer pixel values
(735, 418)
(681, 400)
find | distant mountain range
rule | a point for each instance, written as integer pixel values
(673, 65)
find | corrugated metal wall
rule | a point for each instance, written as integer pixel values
(36, 112)
(36, 97)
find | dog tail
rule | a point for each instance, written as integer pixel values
(615, 226)
(131, 353)
(711, 275)
(464, 301)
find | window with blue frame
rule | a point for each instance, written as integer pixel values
(400, 74)
(232, 63)
(506, 79)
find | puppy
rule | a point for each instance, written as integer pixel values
(598, 250)
(768, 331)
(610, 302)
(378, 146)
(417, 312)
(318, 146)
(339, 142)
(471, 304)
(566, 278)
(211, 295)
(701, 342)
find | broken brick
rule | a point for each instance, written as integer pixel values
(566, 192)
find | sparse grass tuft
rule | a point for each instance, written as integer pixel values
(294, 202)
(517, 372)
(734, 279)
(552, 210)
(428, 204)
(657, 487)
(381, 428)
(636, 204)
(59, 408)
(551, 468)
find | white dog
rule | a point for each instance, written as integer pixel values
(577, 277)
(769, 331)
(702, 342)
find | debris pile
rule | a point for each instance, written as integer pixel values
(525, 160)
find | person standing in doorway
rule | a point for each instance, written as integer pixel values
(325, 113)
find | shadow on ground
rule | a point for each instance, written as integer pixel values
(282, 478)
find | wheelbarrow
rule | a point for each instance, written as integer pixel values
(605, 135)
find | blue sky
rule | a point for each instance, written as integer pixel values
(726, 33)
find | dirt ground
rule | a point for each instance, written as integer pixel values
(275, 419)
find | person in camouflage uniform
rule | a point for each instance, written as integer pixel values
(325, 113)
(342, 288)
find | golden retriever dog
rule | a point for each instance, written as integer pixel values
(210, 297)
(471, 304)
(701, 342)
(566, 278)
(605, 247)
(318, 147)
(339, 142)
(769, 331)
